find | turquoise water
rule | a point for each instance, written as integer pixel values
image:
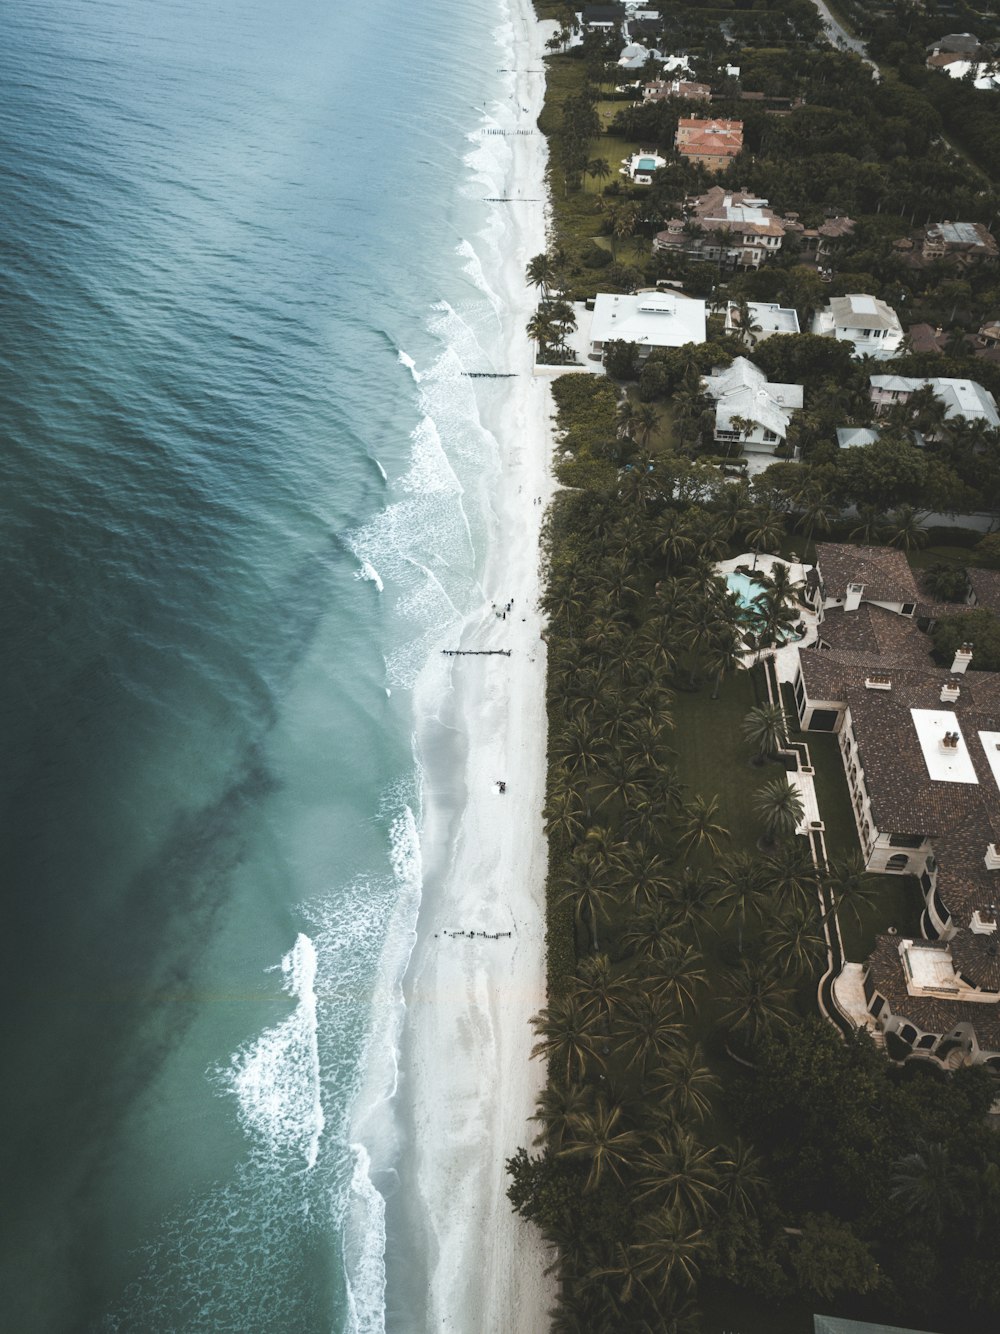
(747, 590)
(245, 263)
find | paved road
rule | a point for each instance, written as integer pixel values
(839, 37)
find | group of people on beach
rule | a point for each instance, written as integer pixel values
(501, 612)
(486, 935)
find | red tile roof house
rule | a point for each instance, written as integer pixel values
(920, 746)
(711, 143)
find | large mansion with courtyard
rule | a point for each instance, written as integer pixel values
(920, 746)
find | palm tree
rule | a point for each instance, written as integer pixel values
(905, 530)
(628, 1266)
(568, 1039)
(541, 330)
(741, 1177)
(559, 1105)
(850, 886)
(700, 827)
(564, 814)
(780, 809)
(723, 657)
(763, 729)
(924, 1184)
(817, 512)
(650, 934)
(647, 876)
(791, 875)
(589, 893)
(793, 943)
(619, 780)
(738, 888)
(626, 419)
(540, 272)
(598, 169)
(673, 1251)
(688, 898)
(599, 988)
(648, 420)
(648, 1030)
(686, 1084)
(758, 1001)
(677, 975)
(679, 1171)
(600, 1136)
(765, 529)
(869, 528)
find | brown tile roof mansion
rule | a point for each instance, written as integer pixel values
(920, 745)
(712, 143)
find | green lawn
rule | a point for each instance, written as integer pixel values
(712, 760)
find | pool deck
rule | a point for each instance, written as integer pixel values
(786, 658)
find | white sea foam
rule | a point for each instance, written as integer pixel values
(369, 572)
(385, 475)
(364, 1250)
(410, 364)
(276, 1078)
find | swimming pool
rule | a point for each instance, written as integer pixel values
(747, 590)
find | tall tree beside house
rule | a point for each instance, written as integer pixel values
(904, 528)
(540, 272)
(764, 730)
(764, 531)
(850, 887)
(779, 808)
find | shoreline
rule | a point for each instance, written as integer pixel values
(467, 1085)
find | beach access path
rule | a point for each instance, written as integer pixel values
(466, 1075)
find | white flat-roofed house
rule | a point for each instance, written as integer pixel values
(866, 322)
(960, 398)
(749, 411)
(767, 318)
(648, 319)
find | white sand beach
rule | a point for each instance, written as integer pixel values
(466, 1079)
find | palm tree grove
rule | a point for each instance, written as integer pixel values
(706, 1152)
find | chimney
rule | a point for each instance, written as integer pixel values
(853, 600)
(950, 692)
(992, 858)
(963, 656)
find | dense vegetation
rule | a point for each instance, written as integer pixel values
(686, 936)
(710, 1155)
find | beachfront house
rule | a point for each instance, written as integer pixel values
(866, 322)
(921, 755)
(750, 413)
(648, 319)
(959, 398)
(728, 227)
(766, 318)
(713, 144)
(662, 90)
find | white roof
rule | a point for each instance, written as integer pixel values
(930, 967)
(945, 764)
(652, 319)
(859, 311)
(773, 318)
(961, 398)
(990, 742)
(850, 436)
(742, 390)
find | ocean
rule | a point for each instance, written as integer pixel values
(246, 263)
